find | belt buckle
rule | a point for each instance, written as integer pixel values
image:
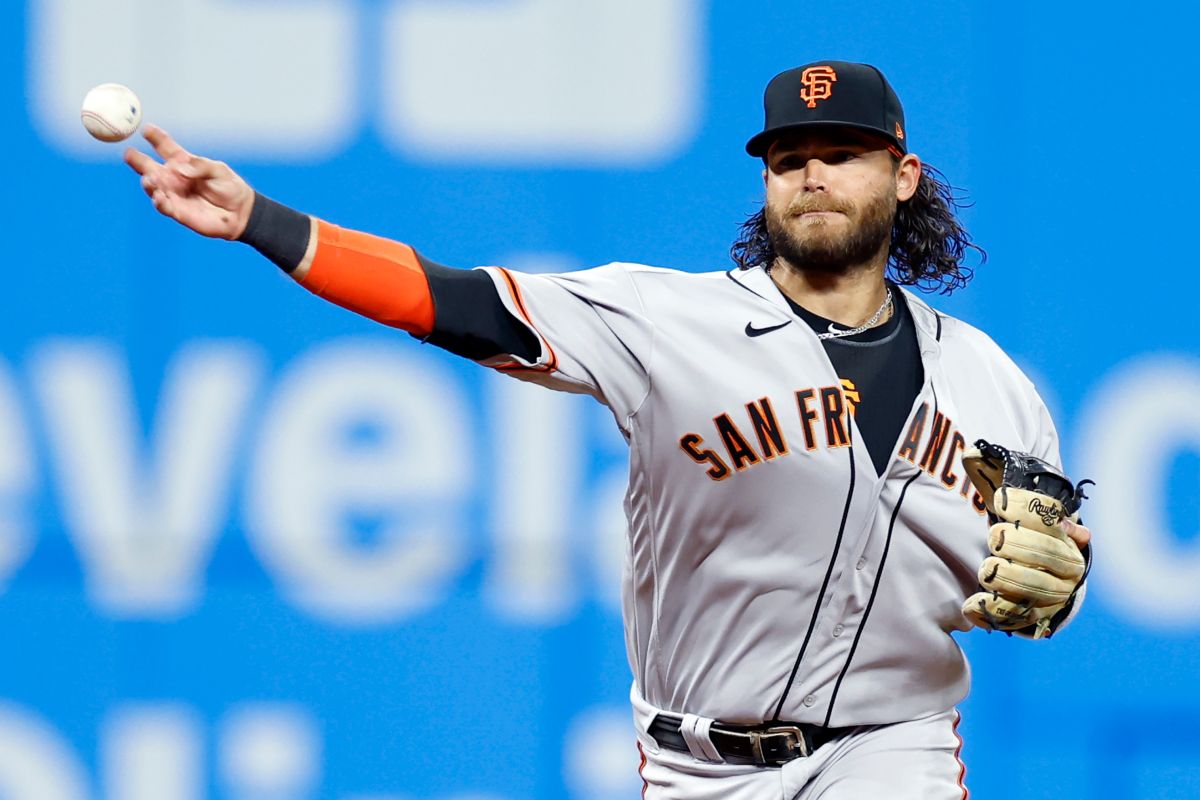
(798, 743)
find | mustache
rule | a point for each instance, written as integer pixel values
(805, 205)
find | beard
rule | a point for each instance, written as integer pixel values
(822, 249)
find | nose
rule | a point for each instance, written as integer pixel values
(815, 174)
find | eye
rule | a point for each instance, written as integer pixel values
(790, 161)
(841, 156)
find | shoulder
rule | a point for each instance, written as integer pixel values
(647, 281)
(963, 337)
(628, 271)
(649, 274)
(676, 280)
(618, 286)
(987, 381)
(970, 350)
(963, 344)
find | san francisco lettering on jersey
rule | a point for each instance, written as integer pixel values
(934, 445)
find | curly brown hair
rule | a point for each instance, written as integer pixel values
(928, 242)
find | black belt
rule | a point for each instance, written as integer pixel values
(765, 745)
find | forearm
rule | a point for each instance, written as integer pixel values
(378, 278)
(389, 282)
(282, 234)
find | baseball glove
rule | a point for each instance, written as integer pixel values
(1030, 580)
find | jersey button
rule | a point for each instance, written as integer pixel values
(862, 562)
(808, 701)
(837, 630)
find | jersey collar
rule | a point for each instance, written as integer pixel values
(758, 281)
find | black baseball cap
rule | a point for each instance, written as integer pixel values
(830, 93)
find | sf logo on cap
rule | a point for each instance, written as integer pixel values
(818, 84)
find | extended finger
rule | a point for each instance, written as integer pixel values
(140, 162)
(162, 142)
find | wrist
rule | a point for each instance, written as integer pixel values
(242, 219)
(280, 233)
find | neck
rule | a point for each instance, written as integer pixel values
(848, 298)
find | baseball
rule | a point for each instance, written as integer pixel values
(111, 112)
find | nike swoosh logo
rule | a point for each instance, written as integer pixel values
(753, 331)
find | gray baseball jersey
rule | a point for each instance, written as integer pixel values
(770, 573)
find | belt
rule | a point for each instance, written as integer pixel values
(765, 745)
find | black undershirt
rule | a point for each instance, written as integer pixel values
(883, 364)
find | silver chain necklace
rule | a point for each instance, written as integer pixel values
(834, 333)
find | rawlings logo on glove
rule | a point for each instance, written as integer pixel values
(1050, 514)
(1035, 568)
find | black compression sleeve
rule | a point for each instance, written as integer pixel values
(278, 232)
(469, 318)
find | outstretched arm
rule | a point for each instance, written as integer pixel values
(382, 279)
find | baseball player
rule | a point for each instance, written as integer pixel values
(803, 534)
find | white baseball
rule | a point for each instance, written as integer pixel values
(111, 112)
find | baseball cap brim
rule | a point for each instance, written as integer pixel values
(760, 144)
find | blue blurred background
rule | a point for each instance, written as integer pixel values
(255, 547)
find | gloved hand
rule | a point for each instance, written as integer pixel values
(1035, 569)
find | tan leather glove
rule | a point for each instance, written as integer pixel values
(1035, 569)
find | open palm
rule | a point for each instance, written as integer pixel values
(204, 195)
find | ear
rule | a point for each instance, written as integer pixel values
(908, 175)
(764, 176)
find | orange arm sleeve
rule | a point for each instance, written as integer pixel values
(378, 278)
